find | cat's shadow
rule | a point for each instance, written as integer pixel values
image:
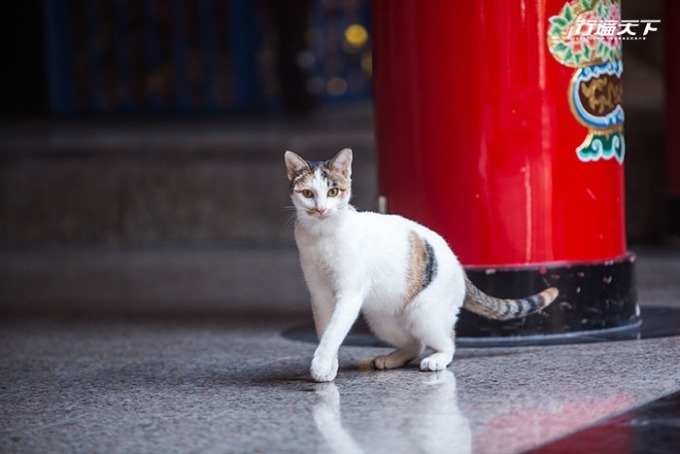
(361, 336)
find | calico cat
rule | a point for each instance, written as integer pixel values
(401, 275)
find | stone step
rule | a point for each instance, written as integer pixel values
(203, 281)
(166, 182)
(152, 282)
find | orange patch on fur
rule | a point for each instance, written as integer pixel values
(339, 179)
(302, 179)
(416, 266)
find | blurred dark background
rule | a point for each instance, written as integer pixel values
(104, 57)
(141, 144)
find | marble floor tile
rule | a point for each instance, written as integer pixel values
(237, 385)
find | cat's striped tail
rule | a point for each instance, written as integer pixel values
(504, 309)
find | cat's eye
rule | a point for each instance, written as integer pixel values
(307, 193)
(332, 192)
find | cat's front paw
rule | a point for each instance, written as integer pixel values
(324, 369)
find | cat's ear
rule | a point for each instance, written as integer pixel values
(295, 164)
(342, 162)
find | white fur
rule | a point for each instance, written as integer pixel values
(358, 262)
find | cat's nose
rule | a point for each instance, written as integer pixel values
(321, 210)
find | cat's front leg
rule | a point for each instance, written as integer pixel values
(323, 304)
(325, 362)
(322, 298)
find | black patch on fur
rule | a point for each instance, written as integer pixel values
(430, 265)
(316, 165)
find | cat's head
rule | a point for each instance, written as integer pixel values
(320, 189)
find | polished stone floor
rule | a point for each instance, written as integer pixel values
(653, 428)
(236, 385)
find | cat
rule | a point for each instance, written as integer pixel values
(401, 275)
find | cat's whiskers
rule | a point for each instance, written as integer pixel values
(291, 213)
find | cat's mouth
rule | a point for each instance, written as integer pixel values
(319, 214)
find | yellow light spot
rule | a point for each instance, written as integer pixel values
(356, 35)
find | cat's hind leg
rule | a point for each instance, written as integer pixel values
(408, 352)
(392, 330)
(444, 347)
(433, 330)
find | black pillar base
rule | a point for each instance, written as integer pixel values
(595, 297)
(674, 216)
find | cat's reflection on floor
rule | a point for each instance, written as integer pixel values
(421, 417)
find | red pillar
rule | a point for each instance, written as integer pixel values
(505, 136)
